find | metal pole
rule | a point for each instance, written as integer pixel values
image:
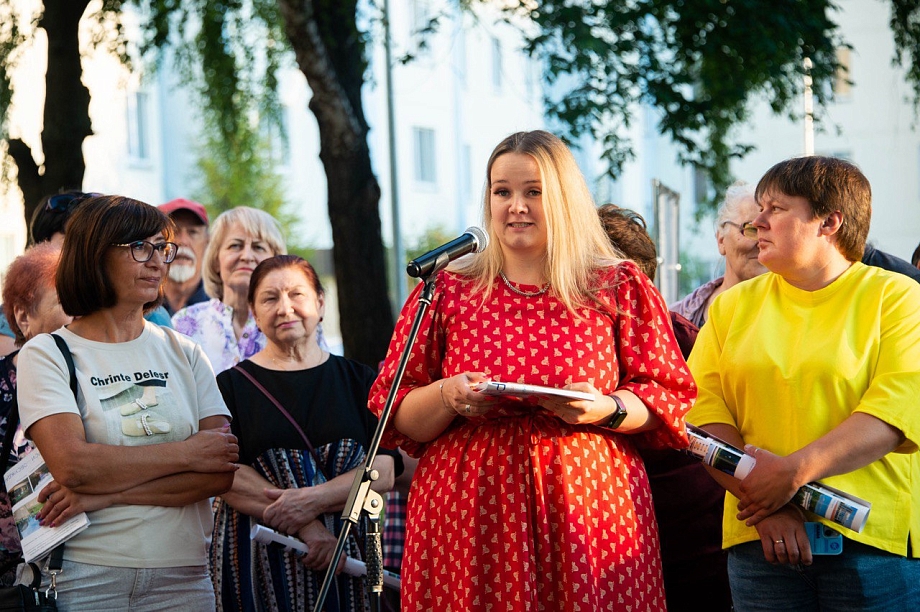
(399, 277)
(361, 498)
(666, 212)
(656, 185)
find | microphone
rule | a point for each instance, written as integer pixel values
(473, 240)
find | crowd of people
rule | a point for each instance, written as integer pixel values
(171, 369)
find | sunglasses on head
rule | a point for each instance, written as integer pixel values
(63, 202)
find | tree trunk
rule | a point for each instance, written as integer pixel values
(366, 317)
(66, 111)
(330, 54)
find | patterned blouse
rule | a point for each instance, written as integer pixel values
(517, 509)
(210, 324)
(10, 549)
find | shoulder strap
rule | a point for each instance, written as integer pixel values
(56, 559)
(286, 414)
(62, 345)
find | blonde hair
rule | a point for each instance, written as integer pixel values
(256, 223)
(577, 246)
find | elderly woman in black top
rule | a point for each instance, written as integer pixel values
(302, 419)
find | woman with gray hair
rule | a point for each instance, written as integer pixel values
(737, 240)
(241, 238)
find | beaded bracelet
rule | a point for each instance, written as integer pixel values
(444, 402)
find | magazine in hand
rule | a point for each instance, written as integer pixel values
(24, 481)
(494, 387)
(842, 508)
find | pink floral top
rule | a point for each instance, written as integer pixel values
(210, 324)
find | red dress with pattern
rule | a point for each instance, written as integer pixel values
(516, 509)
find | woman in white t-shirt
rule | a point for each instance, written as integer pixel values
(146, 441)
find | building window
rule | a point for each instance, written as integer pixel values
(496, 64)
(466, 177)
(530, 77)
(138, 126)
(424, 155)
(702, 186)
(460, 51)
(843, 88)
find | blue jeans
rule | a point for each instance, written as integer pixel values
(861, 578)
(82, 587)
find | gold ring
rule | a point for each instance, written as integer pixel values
(778, 542)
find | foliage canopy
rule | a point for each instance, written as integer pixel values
(697, 63)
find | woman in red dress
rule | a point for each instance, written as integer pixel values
(536, 505)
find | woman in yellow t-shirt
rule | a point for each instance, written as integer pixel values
(816, 367)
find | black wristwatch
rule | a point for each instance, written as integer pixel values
(617, 418)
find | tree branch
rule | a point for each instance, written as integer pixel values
(29, 179)
(330, 101)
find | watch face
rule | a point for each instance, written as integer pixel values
(617, 418)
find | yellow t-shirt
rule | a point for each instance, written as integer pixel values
(785, 366)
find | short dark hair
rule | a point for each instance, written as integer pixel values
(915, 258)
(627, 231)
(82, 280)
(829, 184)
(279, 262)
(52, 213)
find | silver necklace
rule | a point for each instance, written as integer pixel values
(508, 284)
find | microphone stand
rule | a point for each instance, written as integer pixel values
(364, 499)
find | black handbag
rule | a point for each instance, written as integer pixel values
(22, 598)
(29, 597)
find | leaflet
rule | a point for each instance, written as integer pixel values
(353, 567)
(833, 504)
(24, 481)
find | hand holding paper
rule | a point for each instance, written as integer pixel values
(768, 487)
(494, 387)
(835, 505)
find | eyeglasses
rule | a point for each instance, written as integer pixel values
(62, 202)
(747, 229)
(142, 250)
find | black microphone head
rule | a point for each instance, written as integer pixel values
(482, 238)
(473, 240)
